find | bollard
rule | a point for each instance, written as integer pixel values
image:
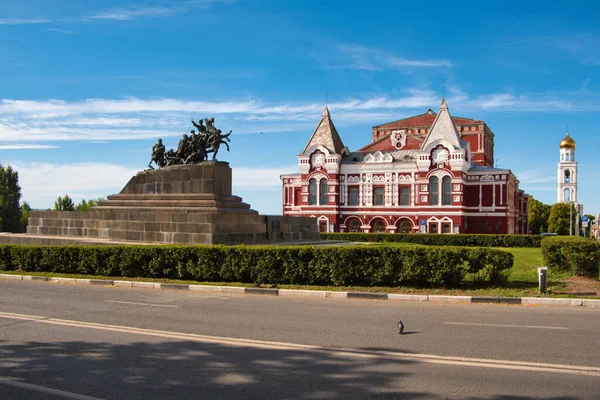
(543, 278)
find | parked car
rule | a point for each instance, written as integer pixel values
(545, 234)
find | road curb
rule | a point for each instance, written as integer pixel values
(317, 294)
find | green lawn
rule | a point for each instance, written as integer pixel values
(527, 260)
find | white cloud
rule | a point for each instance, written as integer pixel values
(42, 183)
(26, 146)
(531, 177)
(23, 21)
(259, 177)
(169, 9)
(63, 31)
(23, 121)
(373, 59)
(122, 13)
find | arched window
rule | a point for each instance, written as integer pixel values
(354, 226)
(312, 191)
(379, 226)
(404, 226)
(446, 191)
(562, 157)
(567, 176)
(323, 192)
(434, 189)
(567, 195)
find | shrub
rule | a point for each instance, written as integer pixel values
(572, 254)
(440, 240)
(359, 265)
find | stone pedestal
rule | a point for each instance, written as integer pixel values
(185, 204)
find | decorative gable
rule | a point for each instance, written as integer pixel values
(326, 135)
(443, 130)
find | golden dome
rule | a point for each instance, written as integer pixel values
(567, 142)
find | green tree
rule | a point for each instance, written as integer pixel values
(64, 204)
(558, 222)
(10, 196)
(538, 216)
(25, 210)
(86, 205)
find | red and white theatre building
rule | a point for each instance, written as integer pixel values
(431, 173)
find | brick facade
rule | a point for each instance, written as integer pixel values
(431, 173)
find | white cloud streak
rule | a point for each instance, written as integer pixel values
(26, 146)
(23, 121)
(372, 59)
(23, 21)
(159, 10)
(63, 31)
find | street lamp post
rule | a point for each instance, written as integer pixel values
(570, 218)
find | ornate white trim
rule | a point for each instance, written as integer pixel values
(378, 157)
(398, 138)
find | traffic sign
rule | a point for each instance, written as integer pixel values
(422, 222)
(585, 218)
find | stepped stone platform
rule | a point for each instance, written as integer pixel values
(181, 204)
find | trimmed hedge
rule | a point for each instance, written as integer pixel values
(440, 240)
(572, 254)
(305, 265)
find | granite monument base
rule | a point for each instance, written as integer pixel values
(182, 204)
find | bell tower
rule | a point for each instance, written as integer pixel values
(567, 171)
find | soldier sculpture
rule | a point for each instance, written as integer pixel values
(192, 148)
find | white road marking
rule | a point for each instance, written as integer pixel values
(340, 352)
(508, 326)
(141, 304)
(43, 389)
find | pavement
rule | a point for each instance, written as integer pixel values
(61, 340)
(531, 301)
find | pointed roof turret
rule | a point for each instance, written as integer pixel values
(443, 128)
(326, 135)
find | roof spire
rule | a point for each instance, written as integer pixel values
(443, 106)
(326, 135)
(443, 89)
(443, 128)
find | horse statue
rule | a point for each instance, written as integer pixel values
(192, 149)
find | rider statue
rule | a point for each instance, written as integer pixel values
(191, 149)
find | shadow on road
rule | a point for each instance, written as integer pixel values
(192, 370)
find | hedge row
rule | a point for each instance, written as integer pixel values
(307, 265)
(572, 254)
(440, 240)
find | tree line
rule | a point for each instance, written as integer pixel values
(14, 213)
(559, 218)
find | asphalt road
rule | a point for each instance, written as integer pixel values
(62, 341)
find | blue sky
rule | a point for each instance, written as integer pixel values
(86, 87)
